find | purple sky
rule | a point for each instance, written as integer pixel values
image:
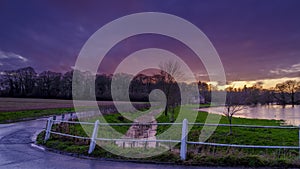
(255, 39)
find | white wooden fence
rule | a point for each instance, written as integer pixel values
(184, 135)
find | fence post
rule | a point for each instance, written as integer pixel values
(54, 118)
(94, 136)
(299, 141)
(71, 116)
(184, 133)
(63, 117)
(48, 128)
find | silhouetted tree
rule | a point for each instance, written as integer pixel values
(291, 87)
(48, 84)
(234, 104)
(280, 94)
(102, 86)
(266, 97)
(66, 85)
(21, 82)
(170, 72)
(204, 91)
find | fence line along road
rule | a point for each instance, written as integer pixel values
(184, 133)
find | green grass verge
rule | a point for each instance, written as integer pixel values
(8, 117)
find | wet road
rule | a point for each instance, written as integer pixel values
(16, 152)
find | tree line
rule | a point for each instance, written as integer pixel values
(25, 82)
(284, 93)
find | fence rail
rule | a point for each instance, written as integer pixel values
(184, 134)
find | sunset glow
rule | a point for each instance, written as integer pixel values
(254, 44)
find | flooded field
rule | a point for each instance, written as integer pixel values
(291, 115)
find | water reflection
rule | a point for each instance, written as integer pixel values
(289, 114)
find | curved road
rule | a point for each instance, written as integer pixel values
(16, 152)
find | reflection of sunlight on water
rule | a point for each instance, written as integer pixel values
(289, 114)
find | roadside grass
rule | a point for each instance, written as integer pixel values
(199, 155)
(68, 146)
(20, 109)
(9, 117)
(117, 118)
(15, 116)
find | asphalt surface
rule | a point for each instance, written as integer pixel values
(16, 151)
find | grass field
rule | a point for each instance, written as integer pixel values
(207, 155)
(23, 104)
(17, 109)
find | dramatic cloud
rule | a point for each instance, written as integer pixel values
(11, 55)
(291, 71)
(255, 39)
(11, 60)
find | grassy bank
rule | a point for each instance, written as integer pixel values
(198, 155)
(8, 117)
(18, 109)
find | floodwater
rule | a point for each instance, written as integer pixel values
(291, 115)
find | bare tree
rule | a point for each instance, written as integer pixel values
(48, 84)
(21, 82)
(170, 72)
(279, 94)
(10, 79)
(234, 104)
(66, 85)
(204, 91)
(266, 97)
(27, 77)
(102, 85)
(291, 87)
(286, 89)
